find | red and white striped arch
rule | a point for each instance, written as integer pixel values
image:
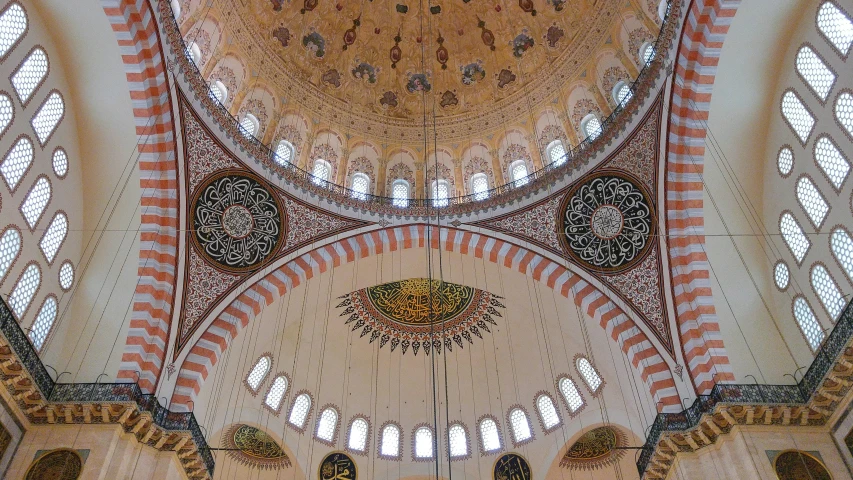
(145, 67)
(205, 353)
(705, 28)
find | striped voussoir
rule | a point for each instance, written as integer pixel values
(705, 29)
(204, 354)
(136, 32)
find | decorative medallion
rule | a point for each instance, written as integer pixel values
(505, 77)
(331, 77)
(60, 464)
(337, 466)
(521, 43)
(282, 34)
(472, 73)
(237, 221)
(512, 466)
(418, 82)
(315, 44)
(607, 222)
(365, 71)
(554, 35)
(795, 465)
(448, 99)
(418, 312)
(253, 447)
(595, 449)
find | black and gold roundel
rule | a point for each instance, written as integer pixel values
(337, 466)
(607, 222)
(237, 221)
(511, 467)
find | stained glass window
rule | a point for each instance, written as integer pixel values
(794, 236)
(844, 111)
(35, 201)
(797, 116)
(48, 116)
(22, 294)
(276, 393)
(836, 26)
(327, 424)
(66, 273)
(54, 236)
(60, 162)
(259, 372)
(423, 443)
(828, 292)
(30, 74)
(520, 425)
(10, 247)
(589, 374)
(458, 440)
(480, 186)
(818, 76)
(13, 24)
(808, 323)
(547, 411)
(17, 161)
(781, 275)
(299, 411)
(571, 394)
(489, 435)
(360, 186)
(812, 201)
(43, 323)
(840, 242)
(358, 435)
(390, 441)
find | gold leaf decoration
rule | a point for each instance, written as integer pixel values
(254, 448)
(595, 449)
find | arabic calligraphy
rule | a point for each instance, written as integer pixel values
(420, 301)
(254, 447)
(337, 466)
(594, 448)
(512, 467)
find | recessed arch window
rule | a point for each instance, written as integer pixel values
(814, 71)
(557, 153)
(835, 26)
(840, 243)
(299, 411)
(423, 443)
(327, 425)
(218, 91)
(321, 171)
(36, 201)
(258, 373)
(48, 116)
(662, 7)
(808, 323)
(571, 394)
(591, 126)
(480, 186)
(43, 323)
(54, 236)
(276, 393)
(13, 25)
(176, 8)
(518, 172)
(7, 112)
(440, 193)
(781, 275)
(827, 291)
(489, 435)
(547, 411)
(389, 446)
(458, 441)
(25, 289)
(358, 430)
(360, 185)
(785, 161)
(647, 52)
(812, 201)
(794, 236)
(622, 93)
(284, 153)
(589, 374)
(60, 162)
(29, 74)
(844, 111)
(400, 193)
(17, 162)
(831, 161)
(194, 53)
(66, 273)
(520, 425)
(10, 247)
(797, 115)
(249, 125)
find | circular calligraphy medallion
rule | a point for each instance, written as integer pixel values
(60, 464)
(238, 222)
(337, 466)
(607, 222)
(511, 466)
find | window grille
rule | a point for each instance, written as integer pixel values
(60, 162)
(390, 441)
(358, 435)
(794, 236)
(782, 275)
(327, 424)
(520, 425)
(590, 376)
(785, 161)
(622, 94)
(249, 125)
(30, 74)
(360, 186)
(831, 161)
(844, 111)
(36, 201)
(66, 274)
(216, 92)
(571, 394)
(797, 116)
(16, 163)
(259, 373)
(840, 242)
(43, 323)
(547, 411)
(321, 171)
(458, 441)
(276, 393)
(10, 247)
(13, 24)
(7, 112)
(518, 172)
(423, 443)
(808, 323)
(827, 291)
(489, 435)
(48, 116)
(440, 193)
(480, 186)
(814, 70)
(836, 26)
(54, 236)
(591, 126)
(400, 192)
(299, 411)
(557, 152)
(812, 201)
(22, 294)
(284, 153)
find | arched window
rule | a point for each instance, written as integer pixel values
(249, 125)
(13, 25)
(66, 272)
(831, 161)
(781, 275)
(43, 323)
(423, 443)
(400, 193)
(489, 436)
(360, 185)
(54, 236)
(299, 411)
(35, 201)
(48, 116)
(389, 446)
(193, 53)
(591, 126)
(840, 242)
(808, 322)
(258, 373)
(622, 93)
(547, 411)
(17, 162)
(480, 186)
(798, 117)
(794, 236)
(835, 26)
(662, 6)
(218, 91)
(815, 72)
(7, 112)
(518, 172)
(785, 161)
(29, 74)
(176, 8)
(557, 152)
(571, 394)
(647, 52)
(284, 153)
(589, 374)
(25, 289)
(812, 201)
(60, 162)
(827, 291)
(520, 425)
(358, 430)
(10, 247)
(276, 393)
(458, 441)
(844, 111)
(321, 171)
(440, 193)
(327, 425)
